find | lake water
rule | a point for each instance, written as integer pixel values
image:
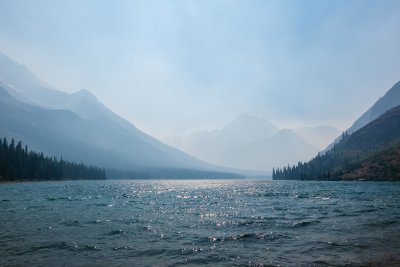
(206, 222)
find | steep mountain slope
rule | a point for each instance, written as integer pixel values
(371, 153)
(64, 133)
(390, 100)
(25, 86)
(382, 165)
(77, 125)
(378, 133)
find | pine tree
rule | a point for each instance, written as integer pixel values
(18, 163)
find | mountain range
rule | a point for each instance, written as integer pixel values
(78, 126)
(254, 143)
(371, 152)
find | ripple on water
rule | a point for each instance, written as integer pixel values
(215, 223)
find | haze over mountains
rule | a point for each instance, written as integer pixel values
(369, 150)
(77, 126)
(370, 153)
(80, 128)
(254, 143)
(250, 142)
(390, 100)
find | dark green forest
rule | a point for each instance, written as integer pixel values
(328, 166)
(340, 164)
(17, 163)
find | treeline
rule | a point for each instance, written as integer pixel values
(340, 164)
(18, 163)
(345, 163)
(372, 152)
(328, 166)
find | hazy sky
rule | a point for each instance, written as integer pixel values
(172, 66)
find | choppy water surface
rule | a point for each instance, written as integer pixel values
(215, 223)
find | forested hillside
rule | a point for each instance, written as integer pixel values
(17, 163)
(371, 153)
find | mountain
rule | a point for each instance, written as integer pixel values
(383, 165)
(64, 133)
(371, 153)
(247, 142)
(246, 128)
(220, 146)
(390, 100)
(377, 134)
(77, 126)
(284, 147)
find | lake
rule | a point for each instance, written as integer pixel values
(200, 222)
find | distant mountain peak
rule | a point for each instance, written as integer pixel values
(12, 72)
(245, 122)
(287, 131)
(6, 59)
(84, 93)
(246, 116)
(78, 126)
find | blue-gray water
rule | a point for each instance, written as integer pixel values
(215, 223)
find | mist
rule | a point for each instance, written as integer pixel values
(172, 67)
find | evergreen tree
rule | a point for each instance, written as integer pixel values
(18, 163)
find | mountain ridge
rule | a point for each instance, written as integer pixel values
(370, 153)
(245, 143)
(103, 131)
(388, 101)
